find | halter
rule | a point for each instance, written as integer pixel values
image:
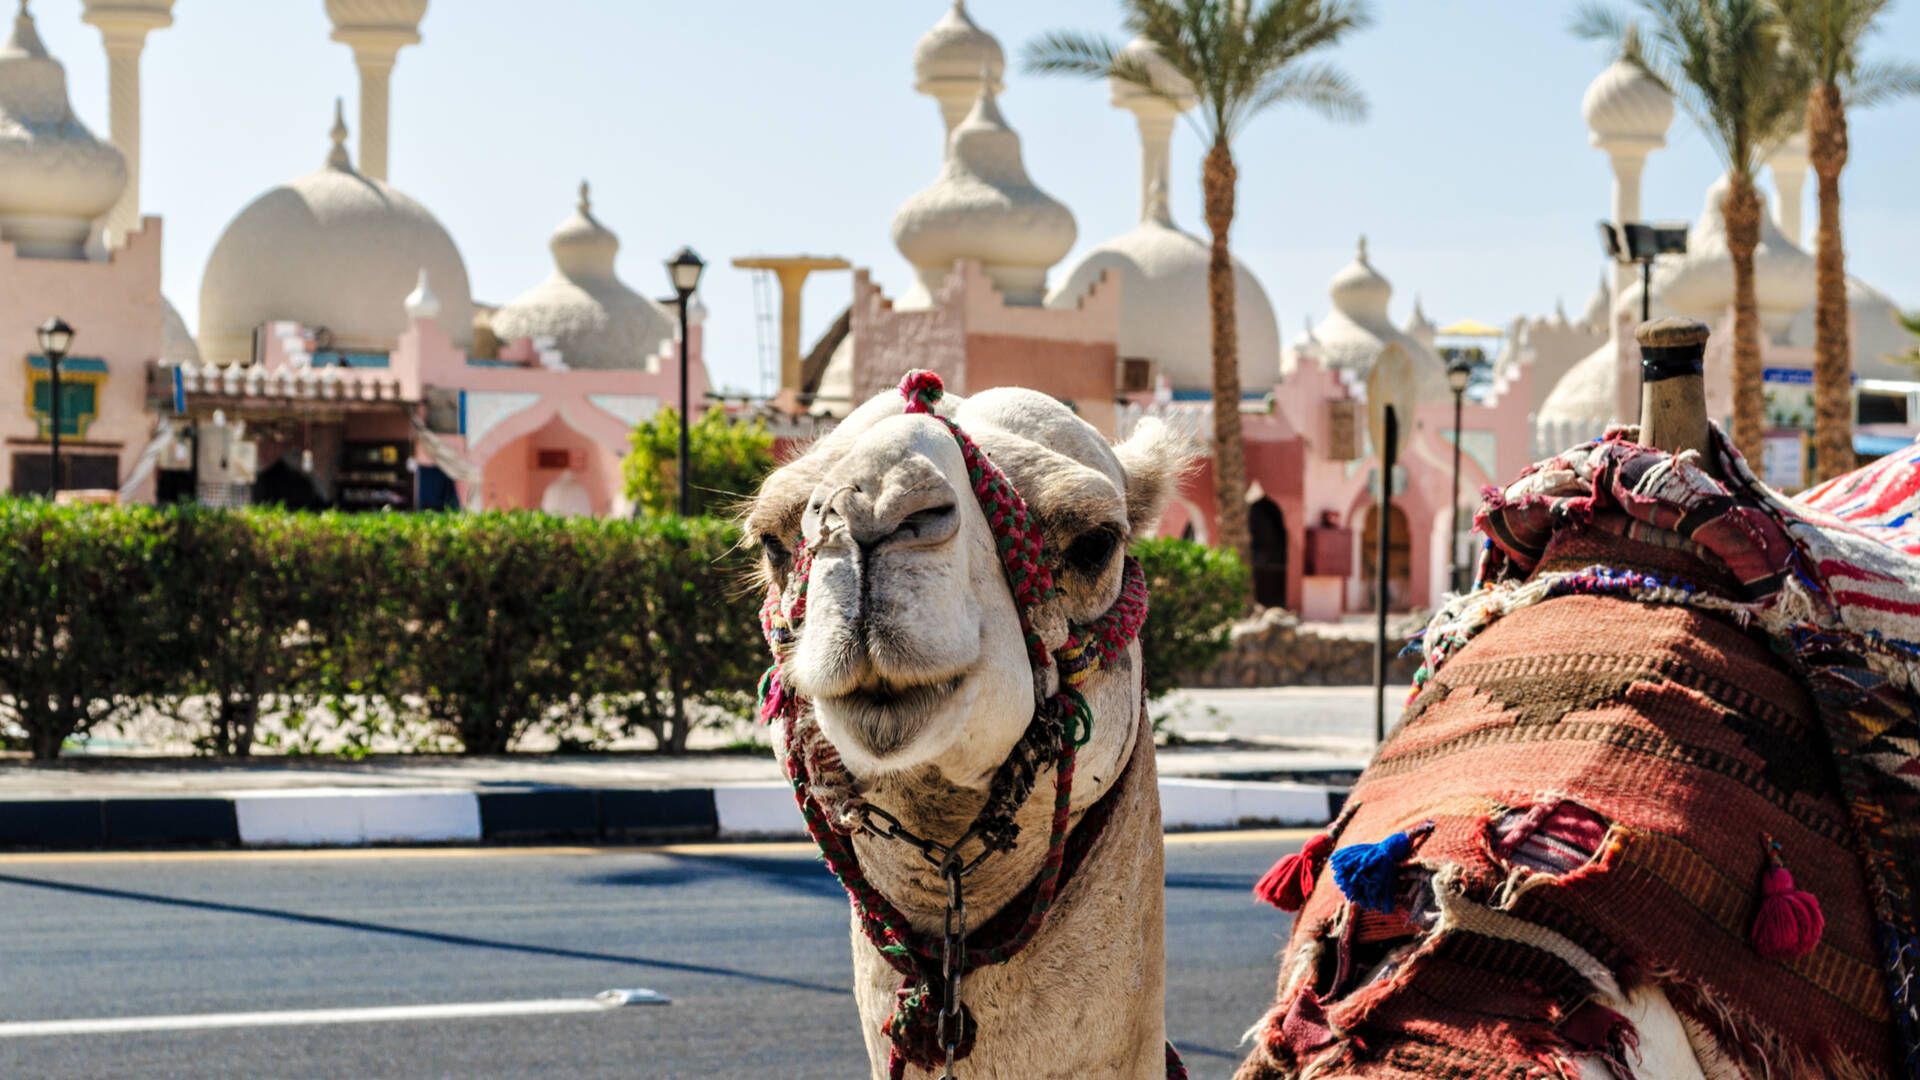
(930, 1025)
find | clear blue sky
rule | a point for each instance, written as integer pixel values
(767, 126)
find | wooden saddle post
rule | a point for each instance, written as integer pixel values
(1673, 393)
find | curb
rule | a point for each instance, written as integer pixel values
(358, 817)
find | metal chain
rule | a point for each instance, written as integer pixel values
(953, 939)
(953, 960)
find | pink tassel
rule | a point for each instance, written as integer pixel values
(1288, 884)
(1789, 923)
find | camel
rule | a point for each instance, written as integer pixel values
(1646, 814)
(913, 651)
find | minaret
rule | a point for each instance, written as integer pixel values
(948, 61)
(1156, 109)
(1789, 165)
(376, 30)
(124, 25)
(1627, 114)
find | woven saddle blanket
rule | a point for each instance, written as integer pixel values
(1659, 684)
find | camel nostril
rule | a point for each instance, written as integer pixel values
(933, 525)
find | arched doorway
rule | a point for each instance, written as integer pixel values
(1268, 527)
(1399, 558)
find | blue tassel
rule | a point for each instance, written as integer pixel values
(1364, 872)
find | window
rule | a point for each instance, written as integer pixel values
(79, 404)
(1880, 407)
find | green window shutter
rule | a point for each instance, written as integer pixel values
(78, 404)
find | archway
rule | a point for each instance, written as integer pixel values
(1268, 527)
(1399, 557)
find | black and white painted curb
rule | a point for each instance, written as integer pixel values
(352, 817)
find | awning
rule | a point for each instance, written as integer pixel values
(72, 365)
(1470, 328)
(1878, 446)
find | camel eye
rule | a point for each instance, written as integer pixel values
(777, 555)
(1091, 550)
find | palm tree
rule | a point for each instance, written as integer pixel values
(1242, 56)
(1723, 61)
(1827, 35)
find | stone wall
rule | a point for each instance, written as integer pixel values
(1274, 648)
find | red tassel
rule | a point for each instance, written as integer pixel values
(1789, 923)
(1287, 885)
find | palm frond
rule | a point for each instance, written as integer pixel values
(1867, 85)
(1599, 22)
(1069, 52)
(1321, 87)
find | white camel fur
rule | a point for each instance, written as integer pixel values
(912, 656)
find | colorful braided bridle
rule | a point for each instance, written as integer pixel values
(1062, 723)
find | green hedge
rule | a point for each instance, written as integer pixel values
(445, 631)
(472, 628)
(1196, 592)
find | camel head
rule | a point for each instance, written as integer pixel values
(911, 650)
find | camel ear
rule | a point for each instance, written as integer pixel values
(1154, 460)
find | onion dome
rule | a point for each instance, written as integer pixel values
(333, 250)
(1352, 336)
(952, 57)
(1624, 105)
(1165, 80)
(176, 344)
(55, 177)
(1595, 315)
(1700, 283)
(984, 207)
(594, 319)
(1164, 312)
(1418, 327)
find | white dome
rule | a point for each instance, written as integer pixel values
(55, 177)
(1625, 104)
(1351, 337)
(1597, 314)
(595, 320)
(176, 344)
(1700, 283)
(1581, 405)
(1164, 314)
(983, 206)
(1875, 333)
(331, 249)
(956, 49)
(1419, 327)
(1165, 79)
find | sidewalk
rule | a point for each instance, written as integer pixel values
(1245, 757)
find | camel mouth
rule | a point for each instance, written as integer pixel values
(885, 716)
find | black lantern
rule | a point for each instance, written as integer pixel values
(684, 271)
(56, 337)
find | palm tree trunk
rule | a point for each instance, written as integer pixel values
(1229, 453)
(1741, 209)
(1832, 351)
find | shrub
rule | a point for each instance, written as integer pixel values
(1195, 592)
(477, 627)
(729, 461)
(83, 636)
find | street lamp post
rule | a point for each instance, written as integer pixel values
(1459, 373)
(56, 337)
(1636, 242)
(684, 271)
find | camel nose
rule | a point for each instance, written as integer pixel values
(909, 506)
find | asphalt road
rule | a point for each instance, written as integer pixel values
(750, 942)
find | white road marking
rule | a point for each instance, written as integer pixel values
(193, 1022)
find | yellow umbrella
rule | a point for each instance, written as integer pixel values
(1469, 329)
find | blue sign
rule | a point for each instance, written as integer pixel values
(179, 392)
